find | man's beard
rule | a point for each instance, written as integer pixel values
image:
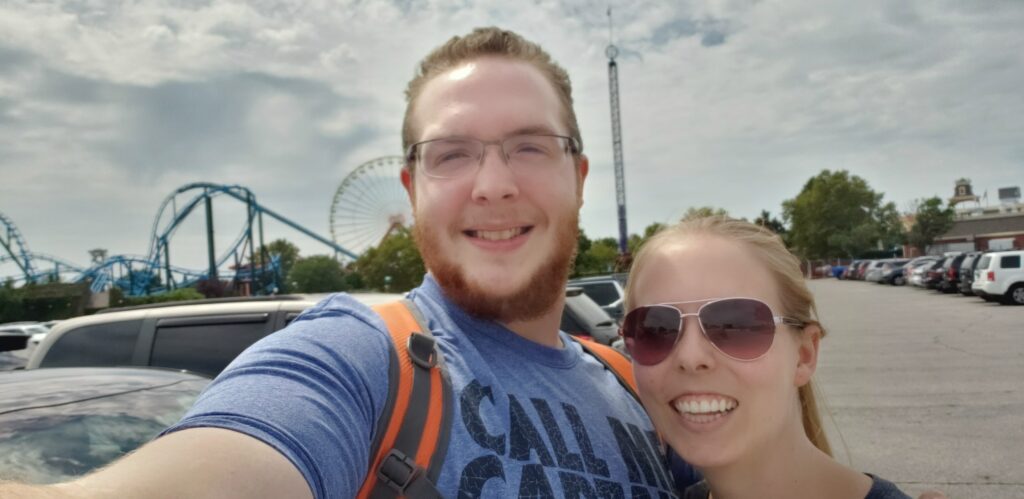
(538, 294)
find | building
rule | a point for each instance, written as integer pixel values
(978, 228)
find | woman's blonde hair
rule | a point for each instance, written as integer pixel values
(796, 300)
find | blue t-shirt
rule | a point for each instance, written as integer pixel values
(528, 420)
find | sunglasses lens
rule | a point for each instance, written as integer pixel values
(740, 328)
(650, 332)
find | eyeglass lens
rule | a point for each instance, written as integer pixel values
(740, 328)
(453, 157)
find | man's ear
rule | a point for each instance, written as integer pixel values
(407, 182)
(582, 169)
(807, 354)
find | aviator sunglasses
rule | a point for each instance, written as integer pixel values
(740, 328)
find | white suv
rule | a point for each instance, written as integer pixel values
(1000, 276)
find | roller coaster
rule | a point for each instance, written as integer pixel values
(153, 273)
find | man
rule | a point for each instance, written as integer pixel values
(495, 175)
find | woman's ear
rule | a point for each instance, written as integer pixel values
(807, 354)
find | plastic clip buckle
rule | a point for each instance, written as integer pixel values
(397, 471)
(421, 350)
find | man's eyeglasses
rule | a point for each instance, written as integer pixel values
(740, 328)
(456, 156)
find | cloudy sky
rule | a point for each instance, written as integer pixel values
(107, 107)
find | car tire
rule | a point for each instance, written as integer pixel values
(1015, 295)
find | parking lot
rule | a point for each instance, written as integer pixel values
(926, 389)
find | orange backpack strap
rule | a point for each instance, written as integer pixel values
(412, 433)
(614, 361)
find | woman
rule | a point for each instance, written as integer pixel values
(724, 338)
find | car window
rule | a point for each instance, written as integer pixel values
(49, 444)
(604, 293)
(100, 345)
(205, 348)
(1009, 262)
(570, 325)
(985, 260)
(586, 311)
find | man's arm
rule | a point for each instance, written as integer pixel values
(194, 463)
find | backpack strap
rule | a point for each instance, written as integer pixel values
(614, 361)
(412, 433)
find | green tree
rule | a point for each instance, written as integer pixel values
(703, 211)
(317, 274)
(287, 254)
(636, 241)
(395, 265)
(838, 214)
(931, 220)
(766, 220)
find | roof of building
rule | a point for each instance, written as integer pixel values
(1001, 224)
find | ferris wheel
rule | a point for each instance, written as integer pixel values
(369, 204)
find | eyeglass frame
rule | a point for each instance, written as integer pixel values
(411, 155)
(776, 319)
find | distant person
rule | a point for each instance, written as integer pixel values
(724, 337)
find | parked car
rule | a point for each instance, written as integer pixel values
(28, 328)
(1000, 277)
(849, 270)
(58, 424)
(933, 277)
(874, 270)
(967, 272)
(907, 270)
(951, 274)
(863, 269)
(919, 275)
(205, 336)
(891, 271)
(607, 290)
(585, 318)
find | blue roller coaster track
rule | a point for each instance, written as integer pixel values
(154, 273)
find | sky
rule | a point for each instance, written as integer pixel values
(107, 107)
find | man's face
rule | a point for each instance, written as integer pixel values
(499, 241)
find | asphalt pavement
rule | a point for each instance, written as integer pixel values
(924, 389)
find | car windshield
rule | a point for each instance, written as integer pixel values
(589, 312)
(52, 443)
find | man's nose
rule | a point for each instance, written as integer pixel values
(494, 180)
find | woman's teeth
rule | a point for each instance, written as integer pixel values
(704, 406)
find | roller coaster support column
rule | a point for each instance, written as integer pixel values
(169, 279)
(209, 237)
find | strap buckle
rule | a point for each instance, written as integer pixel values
(421, 350)
(398, 470)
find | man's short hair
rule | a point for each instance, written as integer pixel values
(482, 42)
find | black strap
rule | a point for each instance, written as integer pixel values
(398, 474)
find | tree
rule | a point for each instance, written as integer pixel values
(317, 274)
(287, 254)
(395, 265)
(931, 220)
(635, 241)
(837, 214)
(773, 224)
(704, 211)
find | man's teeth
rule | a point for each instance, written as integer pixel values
(498, 235)
(705, 406)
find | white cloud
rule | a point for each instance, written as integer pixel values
(106, 108)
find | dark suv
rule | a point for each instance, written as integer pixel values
(951, 274)
(967, 272)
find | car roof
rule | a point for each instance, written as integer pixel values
(20, 390)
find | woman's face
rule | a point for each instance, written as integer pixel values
(760, 396)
